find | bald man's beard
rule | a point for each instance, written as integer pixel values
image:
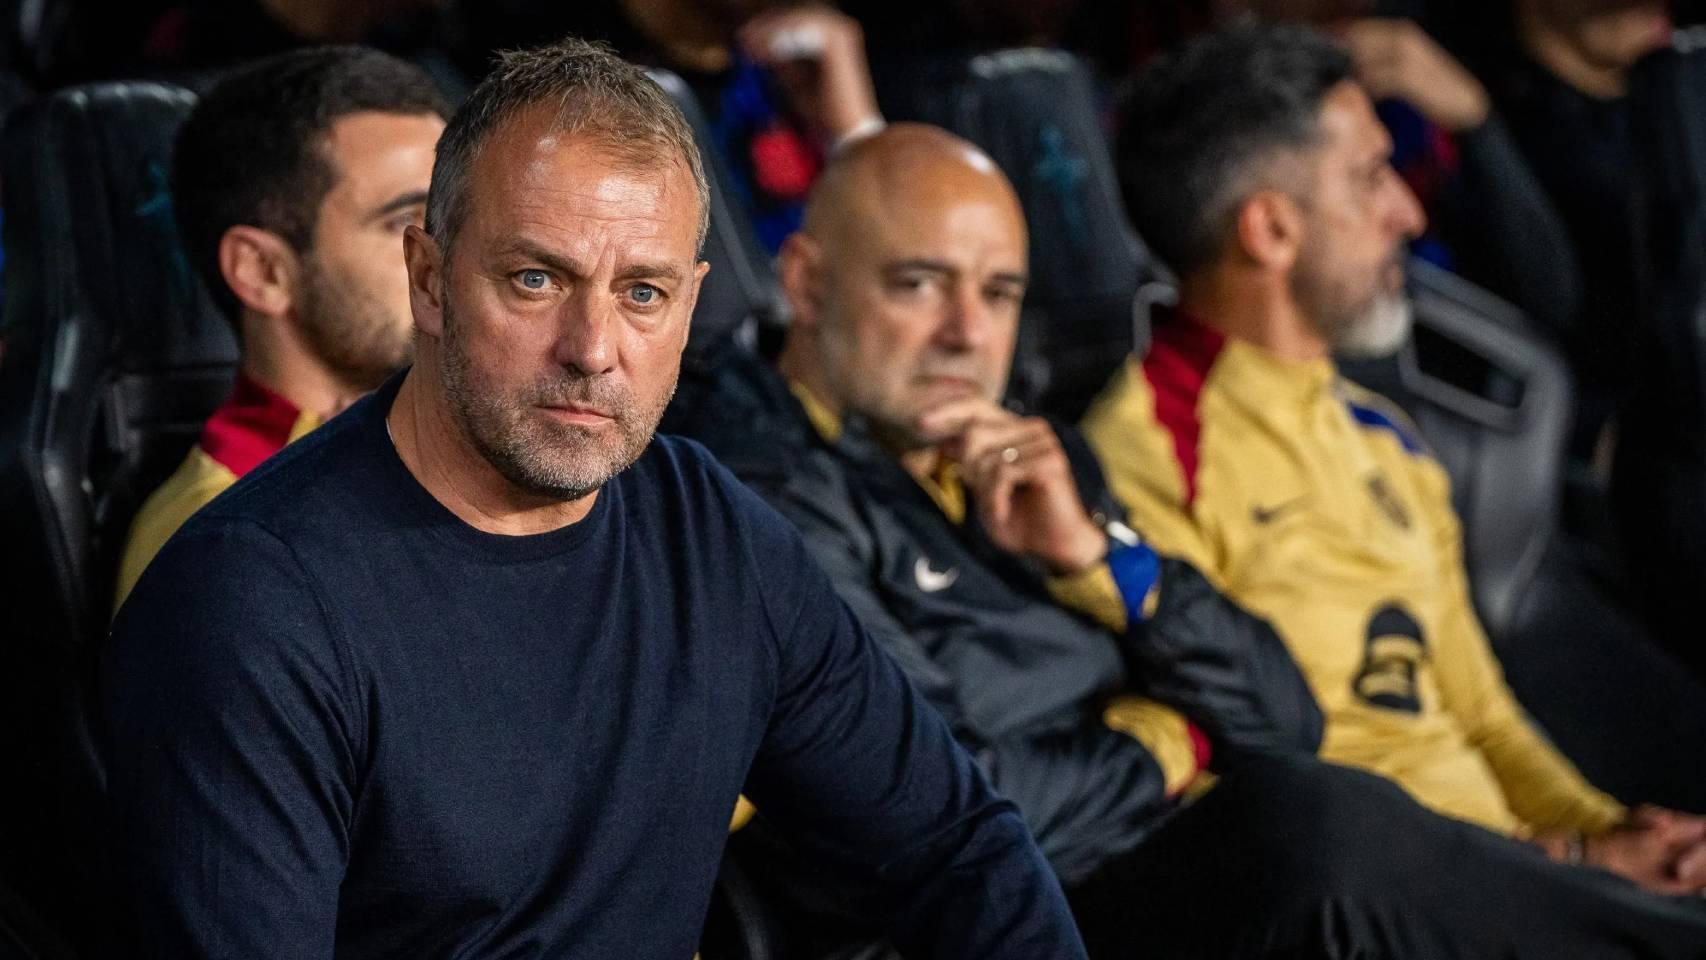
(1363, 321)
(538, 455)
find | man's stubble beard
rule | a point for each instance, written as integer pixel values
(556, 461)
(350, 332)
(1365, 327)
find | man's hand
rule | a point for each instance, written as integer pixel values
(818, 58)
(1662, 850)
(1021, 482)
(1659, 849)
(1397, 59)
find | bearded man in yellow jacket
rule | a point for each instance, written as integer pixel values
(1255, 166)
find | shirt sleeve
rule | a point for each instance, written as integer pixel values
(1078, 790)
(231, 765)
(1541, 787)
(857, 765)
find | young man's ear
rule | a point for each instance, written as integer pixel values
(260, 268)
(797, 268)
(1270, 229)
(425, 264)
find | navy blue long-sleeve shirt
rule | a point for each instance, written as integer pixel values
(345, 723)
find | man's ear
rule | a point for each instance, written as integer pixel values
(425, 263)
(696, 284)
(260, 268)
(1270, 229)
(797, 267)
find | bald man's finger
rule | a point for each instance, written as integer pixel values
(952, 418)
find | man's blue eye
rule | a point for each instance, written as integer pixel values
(644, 293)
(534, 279)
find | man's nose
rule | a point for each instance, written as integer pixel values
(1410, 219)
(586, 334)
(967, 322)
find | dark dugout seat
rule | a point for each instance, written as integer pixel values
(113, 358)
(1491, 398)
(740, 306)
(1034, 112)
(739, 300)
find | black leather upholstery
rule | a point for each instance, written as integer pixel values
(739, 298)
(114, 354)
(113, 358)
(1034, 111)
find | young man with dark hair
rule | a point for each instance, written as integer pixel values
(1253, 163)
(292, 182)
(480, 668)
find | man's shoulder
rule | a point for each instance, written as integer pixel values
(322, 478)
(744, 413)
(198, 480)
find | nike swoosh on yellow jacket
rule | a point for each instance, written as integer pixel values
(1311, 502)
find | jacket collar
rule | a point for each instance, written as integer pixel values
(251, 425)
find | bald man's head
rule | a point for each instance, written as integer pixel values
(906, 277)
(906, 167)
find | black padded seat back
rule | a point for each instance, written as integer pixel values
(1492, 399)
(114, 353)
(739, 298)
(113, 357)
(1034, 111)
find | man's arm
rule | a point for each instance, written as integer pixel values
(1187, 645)
(230, 753)
(1540, 785)
(857, 765)
(1071, 787)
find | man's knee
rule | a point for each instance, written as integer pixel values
(1319, 829)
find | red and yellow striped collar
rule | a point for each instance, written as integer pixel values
(251, 425)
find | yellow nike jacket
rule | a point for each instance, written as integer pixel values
(1312, 503)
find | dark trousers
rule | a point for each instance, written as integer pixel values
(1297, 858)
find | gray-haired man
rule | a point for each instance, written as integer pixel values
(479, 668)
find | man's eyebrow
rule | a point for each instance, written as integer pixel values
(650, 271)
(946, 269)
(402, 201)
(521, 247)
(920, 263)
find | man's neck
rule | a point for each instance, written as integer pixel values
(307, 385)
(1554, 48)
(436, 450)
(801, 371)
(1273, 323)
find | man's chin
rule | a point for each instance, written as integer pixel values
(1380, 332)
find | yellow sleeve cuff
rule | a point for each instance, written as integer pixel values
(1092, 593)
(743, 813)
(1162, 731)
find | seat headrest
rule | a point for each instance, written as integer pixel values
(90, 228)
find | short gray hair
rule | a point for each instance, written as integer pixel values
(596, 94)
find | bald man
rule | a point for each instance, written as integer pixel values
(982, 549)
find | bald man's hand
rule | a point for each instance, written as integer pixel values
(1020, 482)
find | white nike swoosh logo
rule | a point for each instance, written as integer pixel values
(930, 581)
